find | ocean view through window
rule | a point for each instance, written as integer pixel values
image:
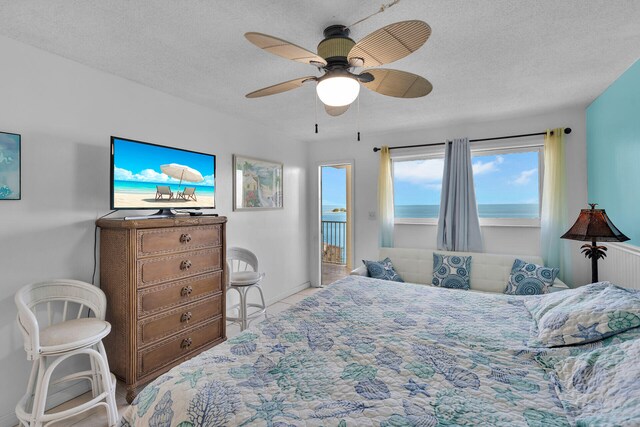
(334, 215)
(507, 185)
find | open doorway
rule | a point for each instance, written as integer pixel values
(336, 221)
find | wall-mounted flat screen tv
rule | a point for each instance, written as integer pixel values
(150, 176)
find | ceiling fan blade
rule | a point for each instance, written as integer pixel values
(398, 83)
(389, 43)
(336, 111)
(285, 49)
(280, 87)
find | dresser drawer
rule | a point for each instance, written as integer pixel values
(178, 347)
(166, 240)
(168, 295)
(166, 268)
(168, 323)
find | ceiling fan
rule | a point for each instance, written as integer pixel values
(338, 56)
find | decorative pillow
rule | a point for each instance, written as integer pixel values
(382, 270)
(584, 316)
(601, 387)
(530, 279)
(451, 271)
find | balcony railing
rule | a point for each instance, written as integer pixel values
(334, 242)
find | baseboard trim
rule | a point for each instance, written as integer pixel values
(289, 292)
(59, 397)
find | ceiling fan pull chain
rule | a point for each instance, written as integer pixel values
(358, 119)
(382, 9)
(316, 111)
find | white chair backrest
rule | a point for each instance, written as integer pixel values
(62, 299)
(240, 259)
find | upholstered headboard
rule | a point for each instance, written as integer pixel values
(489, 272)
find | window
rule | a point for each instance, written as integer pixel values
(507, 185)
(416, 187)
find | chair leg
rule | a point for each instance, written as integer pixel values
(32, 384)
(39, 394)
(262, 307)
(243, 308)
(103, 385)
(27, 403)
(238, 291)
(107, 384)
(95, 382)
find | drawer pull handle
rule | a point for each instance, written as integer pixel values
(185, 238)
(186, 291)
(186, 343)
(185, 265)
(185, 317)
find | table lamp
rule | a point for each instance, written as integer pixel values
(594, 225)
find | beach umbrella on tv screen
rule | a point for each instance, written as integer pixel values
(182, 172)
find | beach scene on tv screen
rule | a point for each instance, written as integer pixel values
(150, 176)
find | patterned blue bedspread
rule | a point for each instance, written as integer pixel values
(365, 352)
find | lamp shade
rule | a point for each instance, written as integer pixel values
(594, 225)
(338, 91)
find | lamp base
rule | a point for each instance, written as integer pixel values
(594, 252)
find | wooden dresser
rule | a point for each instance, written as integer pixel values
(164, 280)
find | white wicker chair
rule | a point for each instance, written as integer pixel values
(243, 276)
(62, 304)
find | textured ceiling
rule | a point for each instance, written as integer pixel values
(486, 59)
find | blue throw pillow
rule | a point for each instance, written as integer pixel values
(382, 270)
(451, 271)
(530, 279)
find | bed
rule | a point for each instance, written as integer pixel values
(370, 352)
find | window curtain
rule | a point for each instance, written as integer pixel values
(458, 224)
(553, 218)
(385, 199)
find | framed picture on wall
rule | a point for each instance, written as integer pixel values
(257, 184)
(10, 166)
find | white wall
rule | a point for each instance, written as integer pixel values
(66, 113)
(516, 240)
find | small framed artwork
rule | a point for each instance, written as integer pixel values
(10, 166)
(257, 184)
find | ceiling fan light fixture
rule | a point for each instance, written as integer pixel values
(338, 91)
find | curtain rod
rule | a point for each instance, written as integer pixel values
(566, 131)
